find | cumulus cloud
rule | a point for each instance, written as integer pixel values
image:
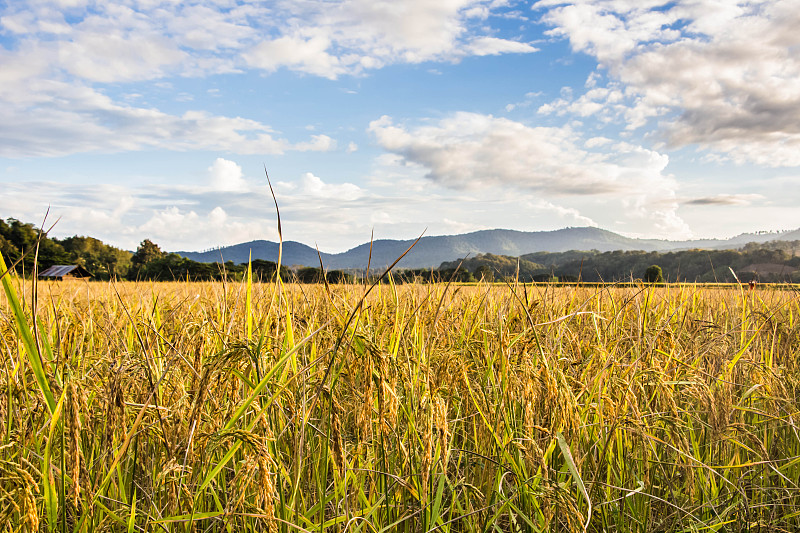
(398, 203)
(387, 31)
(723, 76)
(307, 54)
(176, 228)
(177, 218)
(472, 151)
(312, 186)
(181, 217)
(227, 176)
(348, 37)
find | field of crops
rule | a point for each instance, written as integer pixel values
(263, 407)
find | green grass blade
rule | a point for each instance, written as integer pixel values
(31, 350)
(263, 383)
(437, 502)
(132, 517)
(217, 469)
(48, 482)
(247, 403)
(562, 443)
(248, 308)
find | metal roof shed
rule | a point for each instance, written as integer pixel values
(60, 272)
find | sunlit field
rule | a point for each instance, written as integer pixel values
(263, 407)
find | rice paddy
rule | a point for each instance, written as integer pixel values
(218, 406)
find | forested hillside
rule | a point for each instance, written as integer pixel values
(761, 262)
(768, 262)
(491, 267)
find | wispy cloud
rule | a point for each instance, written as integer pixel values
(60, 54)
(726, 199)
(131, 40)
(65, 119)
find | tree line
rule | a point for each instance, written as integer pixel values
(777, 261)
(19, 241)
(768, 263)
(491, 267)
(149, 262)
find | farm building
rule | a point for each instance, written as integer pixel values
(60, 272)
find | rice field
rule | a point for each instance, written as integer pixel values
(218, 406)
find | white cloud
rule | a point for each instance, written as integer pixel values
(566, 216)
(179, 229)
(411, 31)
(485, 46)
(208, 28)
(380, 217)
(400, 202)
(469, 151)
(218, 216)
(318, 143)
(66, 119)
(472, 150)
(60, 55)
(227, 176)
(596, 142)
(112, 57)
(723, 76)
(122, 41)
(312, 185)
(600, 103)
(304, 54)
(596, 28)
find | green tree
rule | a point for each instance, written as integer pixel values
(653, 274)
(484, 272)
(309, 275)
(146, 252)
(339, 276)
(264, 270)
(102, 260)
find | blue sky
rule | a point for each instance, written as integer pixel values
(154, 119)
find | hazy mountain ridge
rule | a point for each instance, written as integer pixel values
(294, 253)
(430, 252)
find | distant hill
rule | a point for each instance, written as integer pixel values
(294, 253)
(431, 252)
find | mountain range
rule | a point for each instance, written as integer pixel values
(430, 252)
